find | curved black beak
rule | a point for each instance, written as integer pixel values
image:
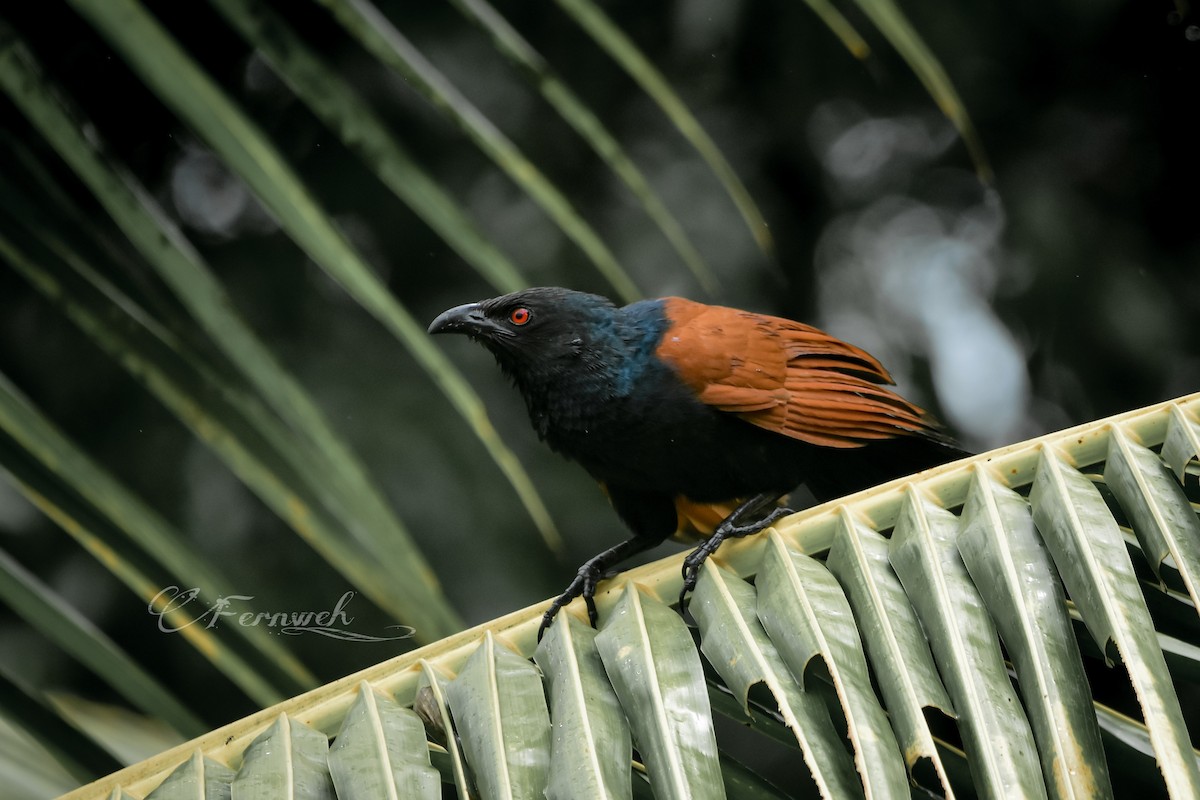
(468, 318)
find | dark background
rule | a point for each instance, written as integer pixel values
(1065, 291)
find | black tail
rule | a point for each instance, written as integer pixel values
(845, 471)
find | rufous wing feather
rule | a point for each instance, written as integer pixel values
(786, 377)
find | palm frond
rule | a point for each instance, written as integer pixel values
(625, 53)
(188, 91)
(592, 129)
(373, 30)
(971, 553)
(895, 26)
(181, 267)
(341, 107)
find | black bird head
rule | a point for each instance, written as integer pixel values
(535, 333)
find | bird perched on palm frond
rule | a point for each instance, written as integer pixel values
(696, 419)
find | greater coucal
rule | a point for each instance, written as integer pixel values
(696, 418)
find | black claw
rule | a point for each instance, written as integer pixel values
(689, 583)
(547, 618)
(583, 586)
(728, 529)
(589, 576)
(691, 571)
(570, 594)
(593, 615)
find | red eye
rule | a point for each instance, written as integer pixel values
(519, 316)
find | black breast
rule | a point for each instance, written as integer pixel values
(658, 437)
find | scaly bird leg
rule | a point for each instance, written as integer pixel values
(589, 575)
(730, 528)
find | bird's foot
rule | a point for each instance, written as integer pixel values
(583, 586)
(728, 529)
